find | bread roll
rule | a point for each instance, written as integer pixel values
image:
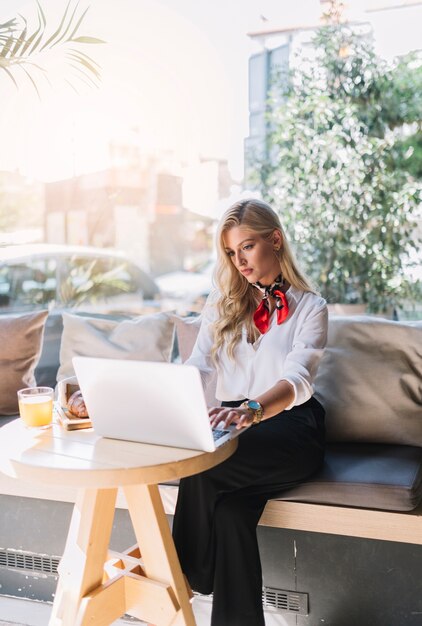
(76, 404)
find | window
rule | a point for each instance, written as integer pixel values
(279, 63)
(28, 286)
(90, 280)
(258, 82)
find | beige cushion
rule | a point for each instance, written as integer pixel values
(145, 338)
(21, 341)
(370, 381)
(187, 329)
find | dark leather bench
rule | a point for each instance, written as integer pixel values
(373, 476)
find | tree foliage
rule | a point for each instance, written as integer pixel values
(342, 167)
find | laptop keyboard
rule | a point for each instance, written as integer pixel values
(217, 433)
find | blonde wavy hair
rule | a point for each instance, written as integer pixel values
(237, 299)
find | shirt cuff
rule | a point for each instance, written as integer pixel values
(301, 392)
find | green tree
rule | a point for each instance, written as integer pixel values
(341, 157)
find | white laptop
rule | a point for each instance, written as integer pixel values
(149, 402)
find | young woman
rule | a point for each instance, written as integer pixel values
(264, 330)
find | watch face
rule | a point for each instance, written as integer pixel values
(254, 405)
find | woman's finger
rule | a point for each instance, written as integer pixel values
(230, 417)
(218, 416)
(244, 421)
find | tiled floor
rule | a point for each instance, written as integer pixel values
(18, 612)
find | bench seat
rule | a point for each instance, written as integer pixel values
(373, 476)
(364, 475)
(356, 518)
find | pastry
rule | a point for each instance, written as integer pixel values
(76, 404)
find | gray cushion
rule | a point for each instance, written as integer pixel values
(144, 338)
(374, 476)
(370, 381)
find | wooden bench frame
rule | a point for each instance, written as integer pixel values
(403, 527)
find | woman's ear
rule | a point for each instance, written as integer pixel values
(277, 240)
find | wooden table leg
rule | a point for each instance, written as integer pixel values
(81, 567)
(158, 552)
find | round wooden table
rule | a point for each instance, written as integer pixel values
(97, 586)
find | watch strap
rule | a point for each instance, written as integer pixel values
(258, 413)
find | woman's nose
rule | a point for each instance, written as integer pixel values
(239, 258)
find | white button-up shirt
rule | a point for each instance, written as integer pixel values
(290, 351)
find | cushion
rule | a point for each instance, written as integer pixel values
(374, 476)
(187, 329)
(364, 475)
(370, 381)
(21, 342)
(145, 338)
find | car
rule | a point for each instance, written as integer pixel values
(79, 279)
(41, 276)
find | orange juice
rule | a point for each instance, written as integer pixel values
(36, 409)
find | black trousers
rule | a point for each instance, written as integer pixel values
(217, 511)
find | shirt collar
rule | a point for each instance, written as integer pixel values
(294, 294)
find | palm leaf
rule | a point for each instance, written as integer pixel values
(39, 67)
(79, 22)
(7, 46)
(9, 73)
(20, 40)
(85, 56)
(87, 40)
(18, 45)
(57, 32)
(32, 81)
(87, 77)
(30, 40)
(42, 24)
(72, 86)
(85, 63)
(7, 28)
(83, 77)
(8, 25)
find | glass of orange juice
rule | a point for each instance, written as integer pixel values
(36, 406)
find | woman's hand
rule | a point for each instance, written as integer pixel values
(239, 416)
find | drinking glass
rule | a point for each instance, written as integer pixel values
(36, 406)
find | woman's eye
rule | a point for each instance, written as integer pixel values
(230, 253)
(249, 246)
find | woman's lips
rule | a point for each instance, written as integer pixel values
(246, 271)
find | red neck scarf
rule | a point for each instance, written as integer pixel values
(262, 314)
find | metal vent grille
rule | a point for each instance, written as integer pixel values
(29, 561)
(287, 601)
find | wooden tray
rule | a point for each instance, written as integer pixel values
(69, 421)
